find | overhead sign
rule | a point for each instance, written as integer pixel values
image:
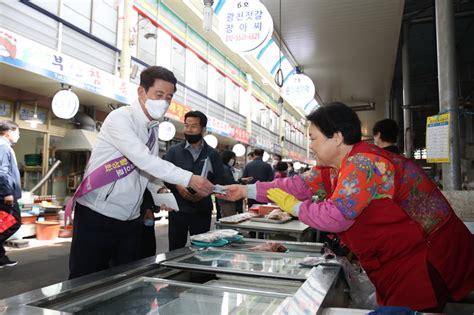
(21, 52)
(437, 139)
(244, 25)
(299, 90)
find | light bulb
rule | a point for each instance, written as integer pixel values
(33, 124)
(207, 14)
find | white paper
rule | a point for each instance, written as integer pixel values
(166, 199)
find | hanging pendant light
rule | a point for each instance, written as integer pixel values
(207, 13)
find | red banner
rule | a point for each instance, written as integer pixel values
(177, 111)
(240, 135)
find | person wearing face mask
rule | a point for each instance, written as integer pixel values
(227, 208)
(123, 163)
(10, 188)
(194, 215)
(276, 159)
(291, 170)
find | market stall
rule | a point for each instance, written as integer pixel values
(191, 281)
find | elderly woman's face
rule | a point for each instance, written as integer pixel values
(324, 149)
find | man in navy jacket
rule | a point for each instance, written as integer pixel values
(194, 215)
(258, 170)
(10, 188)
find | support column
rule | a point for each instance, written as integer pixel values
(125, 55)
(407, 120)
(448, 93)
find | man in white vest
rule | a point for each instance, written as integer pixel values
(125, 161)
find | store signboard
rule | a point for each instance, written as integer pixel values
(27, 113)
(5, 109)
(240, 135)
(245, 25)
(437, 138)
(177, 111)
(24, 53)
(299, 90)
(218, 126)
(264, 143)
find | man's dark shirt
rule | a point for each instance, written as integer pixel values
(392, 148)
(181, 157)
(259, 170)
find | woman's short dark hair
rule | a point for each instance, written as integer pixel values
(150, 74)
(227, 155)
(7, 125)
(388, 129)
(281, 166)
(337, 117)
(197, 114)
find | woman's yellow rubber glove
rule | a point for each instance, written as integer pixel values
(284, 200)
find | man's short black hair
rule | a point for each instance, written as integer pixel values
(388, 129)
(277, 156)
(197, 114)
(150, 74)
(281, 166)
(7, 125)
(337, 117)
(258, 152)
(227, 155)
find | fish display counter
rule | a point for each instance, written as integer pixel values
(230, 280)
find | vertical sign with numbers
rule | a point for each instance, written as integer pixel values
(245, 25)
(437, 139)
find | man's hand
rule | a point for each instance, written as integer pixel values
(149, 215)
(284, 200)
(184, 192)
(8, 200)
(201, 185)
(233, 192)
(245, 180)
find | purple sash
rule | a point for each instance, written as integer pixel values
(107, 173)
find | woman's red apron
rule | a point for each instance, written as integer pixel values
(408, 266)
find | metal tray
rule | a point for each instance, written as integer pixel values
(265, 220)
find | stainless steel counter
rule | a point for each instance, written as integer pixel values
(205, 281)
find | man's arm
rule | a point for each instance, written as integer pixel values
(6, 179)
(134, 149)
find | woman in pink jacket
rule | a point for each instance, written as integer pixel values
(408, 239)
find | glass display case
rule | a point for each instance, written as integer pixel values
(165, 297)
(273, 265)
(185, 281)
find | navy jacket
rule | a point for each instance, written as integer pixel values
(9, 173)
(181, 157)
(259, 170)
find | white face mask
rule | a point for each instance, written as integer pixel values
(231, 162)
(156, 108)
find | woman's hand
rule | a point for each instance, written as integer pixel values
(233, 192)
(284, 200)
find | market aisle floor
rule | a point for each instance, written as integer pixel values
(46, 262)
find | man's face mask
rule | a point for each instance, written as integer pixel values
(156, 108)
